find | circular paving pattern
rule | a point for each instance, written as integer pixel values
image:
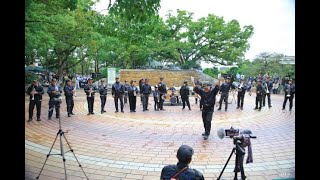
(137, 145)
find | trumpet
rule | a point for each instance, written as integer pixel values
(90, 91)
(289, 91)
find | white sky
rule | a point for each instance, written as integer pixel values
(273, 20)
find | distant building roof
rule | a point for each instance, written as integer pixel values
(287, 60)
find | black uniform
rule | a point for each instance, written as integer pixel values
(241, 94)
(125, 97)
(184, 93)
(69, 98)
(259, 91)
(55, 100)
(132, 93)
(145, 91)
(35, 100)
(90, 96)
(267, 92)
(188, 174)
(117, 93)
(103, 96)
(163, 90)
(289, 94)
(156, 98)
(209, 99)
(198, 83)
(224, 90)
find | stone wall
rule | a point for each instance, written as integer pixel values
(171, 77)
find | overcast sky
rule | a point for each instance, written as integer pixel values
(273, 20)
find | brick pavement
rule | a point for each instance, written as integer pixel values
(137, 145)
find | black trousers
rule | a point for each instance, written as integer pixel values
(258, 101)
(132, 102)
(240, 99)
(290, 101)
(70, 104)
(103, 101)
(156, 104)
(54, 104)
(90, 101)
(125, 97)
(224, 96)
(33, 103)
(184, 101)
(264, 99)
(145, 101)
(207, 118)
(161, 101)
(116, 98)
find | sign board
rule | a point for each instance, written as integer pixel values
(111, 75)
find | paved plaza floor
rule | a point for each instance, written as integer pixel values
(123, 146)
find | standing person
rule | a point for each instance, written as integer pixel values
(275, 87)
(54, 91)
(242, 87)
(198, 83)
(156, 98)
(141, 83)
(224, 90)
(289, 90)
(69, 92)
(132, 93)
(267, 92)
(35, 90)
(145, 92)
(209, 99)
(181, 170)
(163, 91)
(259, 92)
(126, 85)
(117, 94)
(90, 89)
(184, 93)
(103, 89)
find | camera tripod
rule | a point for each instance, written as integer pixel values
(61, 133)
(239, 151)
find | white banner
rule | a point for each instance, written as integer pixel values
(111, 75)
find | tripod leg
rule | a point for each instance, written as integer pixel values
(63, 158)
(226, 163)
(243, 177)
(48, 155)
(75, 157)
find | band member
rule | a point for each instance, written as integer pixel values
(141, 83)
(117, 94)
(163, 90)
(103, 90)
(132, 93)
(156, 98)
(198, 83)
(90, 89)
(209, 98)
(268, 87)
(69, 92)
(126, 85)
(184, 92)
(173, 90)
(145, 92)
(35, 91)
(289, 90)
(54, 91)
(242, 87)
(259, 91)
(224, 90)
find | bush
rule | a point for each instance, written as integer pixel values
(29, 77)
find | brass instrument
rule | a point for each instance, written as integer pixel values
(289, 91)
(90, 91)
(32, 92)
(267, 89)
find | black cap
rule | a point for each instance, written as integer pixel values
(132, 81)
(228, 77)
(89, 79)
(117, 77)
(68, 80)
(184, 152)
(185, 82)
(155, 86)
(125, 81)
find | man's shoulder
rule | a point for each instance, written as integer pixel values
(169, 167)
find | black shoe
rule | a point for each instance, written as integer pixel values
(205, 137)
(219, 109)
(290, 109)
(270, 106)
(38, 119)
(183, 108)
(283, 109)
(122, 111)
(225, 109)
(189, 109)
(116, 111)
(92, 113)
(263, 105)
(134, 111)
(259, 109)
(89, 114)
(255, 108)
(238, 107)
(241, 108)
(49, 118)
(72, 113)
(104, 111)
(69, 115)
(147, 109)
(57, 117)
(162, 109)
(30, 119)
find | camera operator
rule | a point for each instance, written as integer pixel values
(209, 98)
(181, 170)
(54, 91)
(103, 95)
